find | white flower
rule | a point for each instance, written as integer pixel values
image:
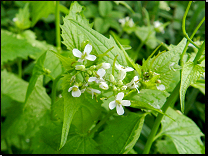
(126, 21)
(75, 91)
(158, 27)
(80, 67)
(133, 83)
(100, 73)
(91, 90)
(118, 103)
(85, 54)
(122, 71)
(106, 65)
(14, 19)
(103, 85)
(161, 87)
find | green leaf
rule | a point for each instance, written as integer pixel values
(148, 99)
(166, 64)
(63, 9)
(37, 71)
(200, 84)
(24, 124)
(22, 18)
(147, 35)
(190, 73)
(101, 25)
(121, 134)
(104, 7)
(184, 133)
(168, 144)
(41, 9)
(13, 46)
(12, 86)
(88, 113)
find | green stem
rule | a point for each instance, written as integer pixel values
(200, 52)
(8, 146)
(159, 118)
(101, 122)
(184, 24)
(19, 64)
(202, 59)
(58, 38)
(195, 30)
(53, 93)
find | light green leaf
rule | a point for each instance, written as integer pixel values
(124, 4)
(104, 7)
(13, 46)
(22, 18)
(200, 84)
(37, 71)
(41, 9)
(12, 86)
(63, 9)
(101, 25)
(166, 64)
(184, 133)
(26, 123)
(190, 73)
(147, 35)
(168, 144)
(148, 99)
(121, 134)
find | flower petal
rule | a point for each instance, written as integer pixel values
(76, 93)
(129, 69)
(88, 49)
(101, 72)
(106, 65)
(120, 96)
(103, 85)
(112, 105)
(70, 89)
(161, 87)
(125, 102)
(119, 109)
(136, 78)
(77, 53)
(118, 66)
(121, 74)
(91, 57)
(92, 79)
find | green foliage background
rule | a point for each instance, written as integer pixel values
(26, 44)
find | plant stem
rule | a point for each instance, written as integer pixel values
(53, 93)
(184, 24)
(200, 51)
(159, 118)
(19, 64)
(8, 146)
(101, 123)
(195, 30)
(58, 38)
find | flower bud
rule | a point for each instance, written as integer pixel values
(112, 79)
(105, 65)
(80, 67)
(120, 83)
(114, 88)
(92, 67)
(89, 72)
(123, 87)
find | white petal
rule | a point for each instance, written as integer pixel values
(103, 85)
(70, 88)
(161, 87)
(136, 78)
(80, 60)
(129, 69)
(92, 79)
(125, 102)
(77, 53)
(112, 104)
(101, 72)
(120, 96)
(118, 66)
(91, 57)
(121, 74)
(119, 109)
(106, 65)
(76, 93)
(95, 91)
(88, 49)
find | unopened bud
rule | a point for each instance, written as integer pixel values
(123, 87)
(114, 88)
(120, 83)
(80, 67)
(92, 67)
(112, 79)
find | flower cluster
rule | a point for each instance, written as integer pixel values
(126, 22)
(96, 82)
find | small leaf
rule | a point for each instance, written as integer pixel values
(184, 133)
(37, 71)
(121, 134)
(200, 84)
(104, 7)
(190, 73)
(22, 18)
(13, 46)
(41, 9)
